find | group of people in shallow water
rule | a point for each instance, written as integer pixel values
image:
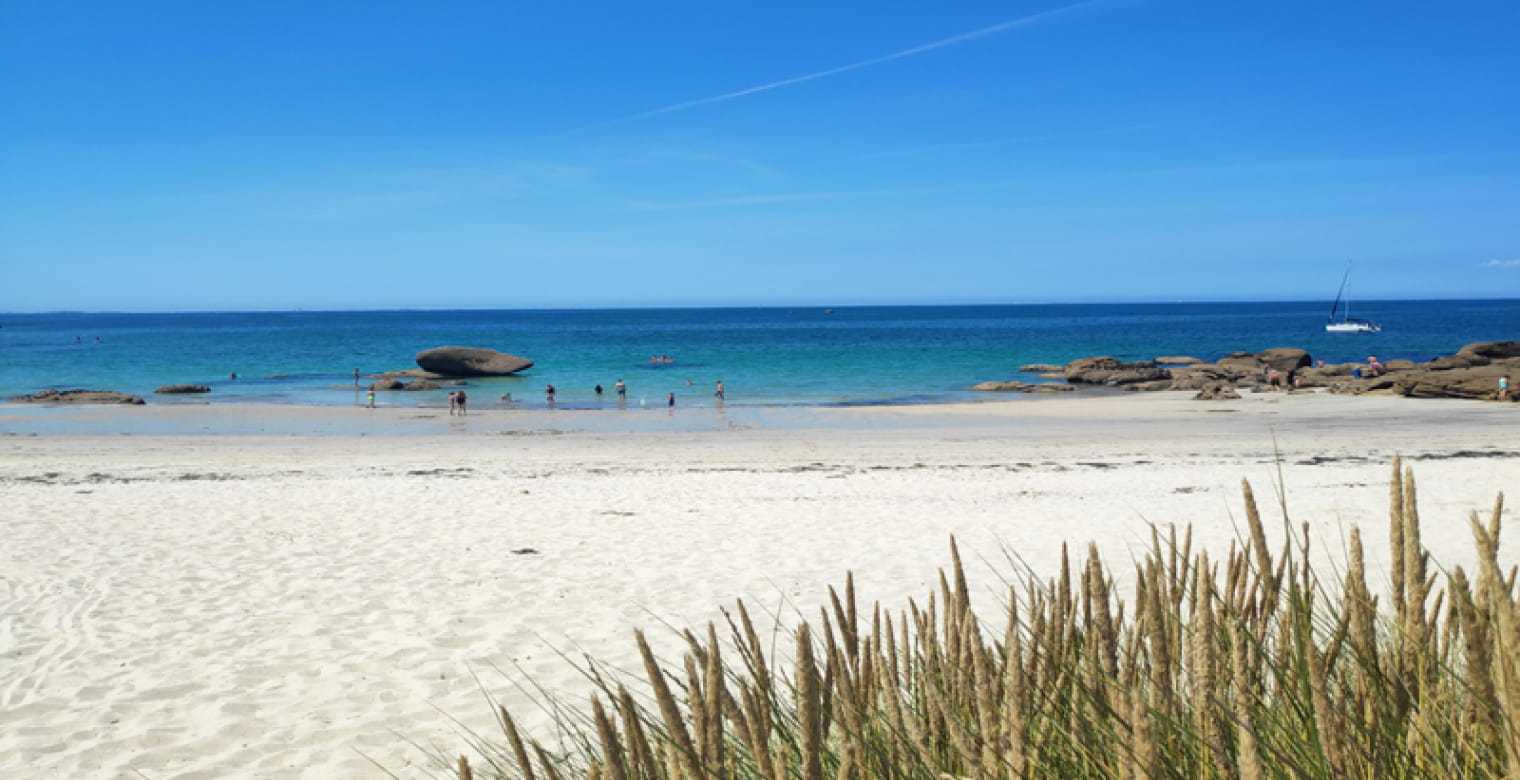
(458, 399)
(620, 387)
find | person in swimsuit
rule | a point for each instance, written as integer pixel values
(719, 392)
(622, 389)
(459, 399)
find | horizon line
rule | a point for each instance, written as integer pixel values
(761, 305)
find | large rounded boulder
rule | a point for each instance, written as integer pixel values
(470, 361)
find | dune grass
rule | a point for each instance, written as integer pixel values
(1249, 666)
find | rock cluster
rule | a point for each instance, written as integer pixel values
(1473, 372)
(78, 397)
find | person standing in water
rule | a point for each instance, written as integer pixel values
(459, 399)
(670, 401)
(371, 402)
(622, 389)
(719, 392)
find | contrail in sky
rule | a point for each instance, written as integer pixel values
(1014, 24)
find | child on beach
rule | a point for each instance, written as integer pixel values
(371, 402)
(1504, 387)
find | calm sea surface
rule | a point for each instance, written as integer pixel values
(765, 356)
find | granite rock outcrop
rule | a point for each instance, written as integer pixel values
(79, 397)
(470, 361)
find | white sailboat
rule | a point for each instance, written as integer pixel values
(1348, 323)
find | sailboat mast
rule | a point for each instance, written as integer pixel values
(1336, 306)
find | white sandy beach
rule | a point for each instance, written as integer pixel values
(241, 602)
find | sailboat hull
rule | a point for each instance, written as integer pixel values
(1353, 327)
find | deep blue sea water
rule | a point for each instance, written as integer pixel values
(765, 356)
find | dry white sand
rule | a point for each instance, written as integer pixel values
(225, 605)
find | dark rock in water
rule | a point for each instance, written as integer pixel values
(1111, 371)
(182, 389)
(409, 373)
(1490, 350)
(470, 361)
(1039, 368)
(1217, 391)
(1002, 387)
(1020, 387)
(420, 384)
(1284, 358)
(387, 384)
(78, 397)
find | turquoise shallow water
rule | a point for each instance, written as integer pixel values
(765, 356)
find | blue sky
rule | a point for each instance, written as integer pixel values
(273, 155)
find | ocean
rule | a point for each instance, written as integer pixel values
(777, 356)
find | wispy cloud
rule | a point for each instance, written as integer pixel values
(1012, 24)
(1501, 264)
